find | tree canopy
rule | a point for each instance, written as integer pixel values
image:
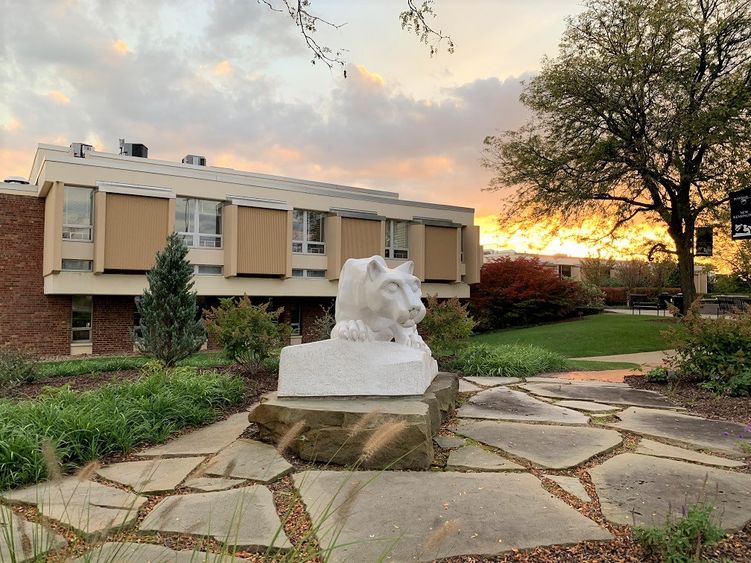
(646, 110)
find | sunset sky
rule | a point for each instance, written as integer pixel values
(232, 80)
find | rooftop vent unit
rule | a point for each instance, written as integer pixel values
(16, 180)
(80, 149)
(134, 149)
(195, 159)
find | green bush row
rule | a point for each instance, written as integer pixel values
(110, 419)
(508, 360)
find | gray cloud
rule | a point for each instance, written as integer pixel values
(165, 93)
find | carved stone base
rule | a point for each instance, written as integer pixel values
(328, 435)
(342, 368)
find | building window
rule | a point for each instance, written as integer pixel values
(564, 271)
(295, 318)
(76, 265)
(307, 232)
(396, 239)
(199, 222)
(307, 273)
(78, 204)
(207, 270)
(80, 323)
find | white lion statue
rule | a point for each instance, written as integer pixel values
(375, 302)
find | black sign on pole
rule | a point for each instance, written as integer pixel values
(740, 214)
(703, 241)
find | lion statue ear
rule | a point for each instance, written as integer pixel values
(408, 267)
(376, 266)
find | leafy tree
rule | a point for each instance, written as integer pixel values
(250, 334)
(633, 273)
(646, 111)
(596, 270)
(415, 18)
(170, 329)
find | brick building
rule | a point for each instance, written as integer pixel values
(77, 239)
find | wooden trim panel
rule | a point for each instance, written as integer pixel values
(361, 238)
(136, 228)
(442, 246)
(262, 241)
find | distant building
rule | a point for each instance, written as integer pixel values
(79, 235)
(570, 266)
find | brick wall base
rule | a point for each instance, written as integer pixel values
(29, 319)
(111, 324)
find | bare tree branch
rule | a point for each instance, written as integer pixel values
(414, 19)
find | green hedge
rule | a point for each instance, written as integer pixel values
(110, 419)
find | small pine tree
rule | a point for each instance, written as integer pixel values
(169, 329)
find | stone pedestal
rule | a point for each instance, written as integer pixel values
(330, 432)
(343, 368)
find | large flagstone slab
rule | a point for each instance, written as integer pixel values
(151, 476)
(467, 387)
(413, 516)
(492, 381)
(244, 518)
(127, 552)
(501, 403)
(86, 506)
(209, 484)
(208, 440)
(571, 485)
(642, 489)
(554, 447)
(601, 392)
(714, 435)
(588, 406)
(21, 540)
(249, 459)
(477, 459)
(658, 449)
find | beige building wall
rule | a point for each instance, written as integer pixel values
(136, 228)
(129, 227)
(53, 229)
(361, 238)
(262, 241)
(440, 263)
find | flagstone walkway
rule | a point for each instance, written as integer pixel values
(523, 464)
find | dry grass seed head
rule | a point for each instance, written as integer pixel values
(290, 436)
(385, 434)
(439, 535)
(344, 510)
(363, 422)
(230, 468)
(88, 470)
(51, 462)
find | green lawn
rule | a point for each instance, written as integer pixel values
(597, 335)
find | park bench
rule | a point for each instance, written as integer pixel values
(731, 303)
(639, 302)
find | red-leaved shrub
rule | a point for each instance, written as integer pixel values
(523, 291)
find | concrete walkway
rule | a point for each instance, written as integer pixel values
(541, 462)
(647, 360)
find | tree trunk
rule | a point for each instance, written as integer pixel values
(684, 248)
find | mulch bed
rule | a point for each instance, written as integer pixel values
(699, 401)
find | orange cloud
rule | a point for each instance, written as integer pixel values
(222, 68)
(15, 162)
(58, 97)
(590, 238)
(121, 47)
(369, 77)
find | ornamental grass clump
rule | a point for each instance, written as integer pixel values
(508, 360)
(82, 426)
